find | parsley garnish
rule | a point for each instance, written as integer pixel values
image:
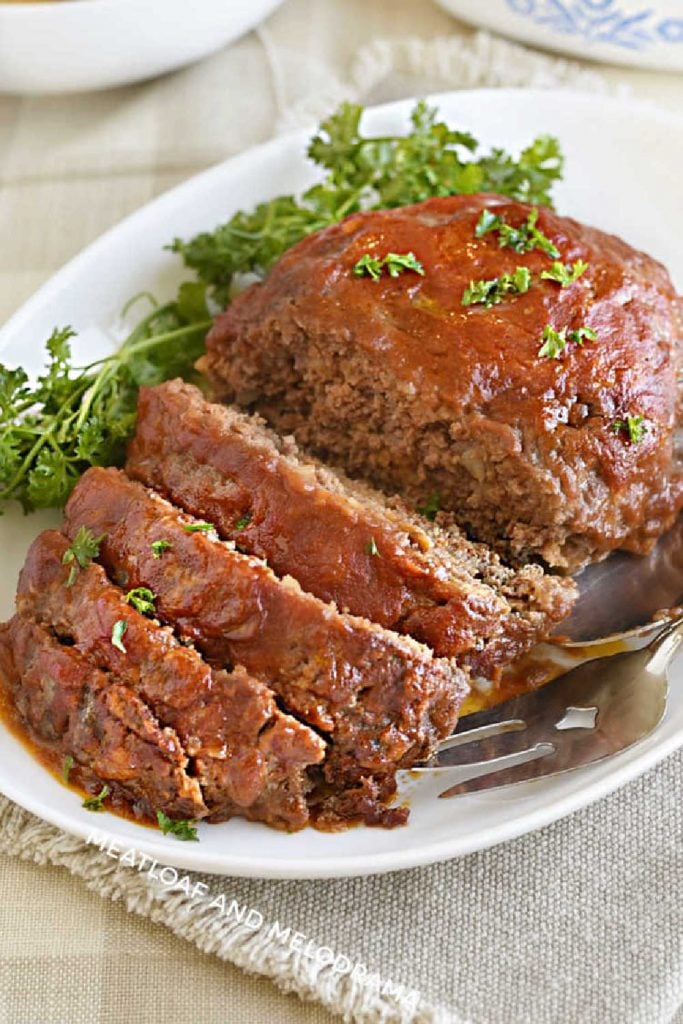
(525, 238)
(243, 521)
(431, 507)
(96, 803)
(394, 263)
(371, 547)
(159, 546)
(74, 417)
(489, 293)
(142, 599)
(67, 766)
(198, 527)
(185, 830)
(634, 426)
(554, 342)
(117, 634)
(369, 173)
(564, 273)
(84, 547)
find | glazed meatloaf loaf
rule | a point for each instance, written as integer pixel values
(381, 701)
(248, 757)
(537, 396)
(339, 540)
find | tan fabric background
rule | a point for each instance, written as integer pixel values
(70, 168)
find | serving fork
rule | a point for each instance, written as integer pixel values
(597, 709)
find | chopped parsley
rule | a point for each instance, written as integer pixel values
(554, 342)
(243, 521)
(185, 830)
(96, 803)
(491, 292)
(198, 527)
(431, 507)
(67, 766)
(371, 547)
(634, 426)
(159, 546)
(525, 238)
(564, 273)
(394, 263)
(142, 599)
(84, 547)
(117, 634)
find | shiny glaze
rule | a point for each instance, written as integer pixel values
(476, 371)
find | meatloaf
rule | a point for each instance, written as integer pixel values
(564, 455)
(248, 757)
(340, 541)
(69, 707)
(381, 699)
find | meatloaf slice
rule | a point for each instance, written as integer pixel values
(249, 758)
(68, 707)
(383, 699)
(399, 382)
(340, 541)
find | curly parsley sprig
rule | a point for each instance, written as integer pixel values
(73, 417)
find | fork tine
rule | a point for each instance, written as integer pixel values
(483, 732)
(468, 775)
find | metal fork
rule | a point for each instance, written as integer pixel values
(597, 709)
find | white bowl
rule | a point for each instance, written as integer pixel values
(645, 33)
(75, 45)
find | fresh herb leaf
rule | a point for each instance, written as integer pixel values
(74, 417)
(191, 302)
(564, 273)
(431, 507)
(96, 803)
(117, 634)
(582, 334)
(67, 766)
(371, 547)
(554, 342)
(185, 830)
(159, 546)
(198, 527)
(243, 521)
(83, 548)
(368, 173)
(488, 221)
(142, 599)
(524, 238)
(394, 263)
(368, 266)
(634, 426)
(491, 292)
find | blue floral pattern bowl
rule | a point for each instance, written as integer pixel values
(618, 31)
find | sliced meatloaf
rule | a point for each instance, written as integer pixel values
(248, 757)
(400, 382)
(68, 707)
(383, 700)
(340, 541)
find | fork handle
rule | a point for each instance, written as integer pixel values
(665, 645)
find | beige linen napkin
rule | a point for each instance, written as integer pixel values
(581, 922)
